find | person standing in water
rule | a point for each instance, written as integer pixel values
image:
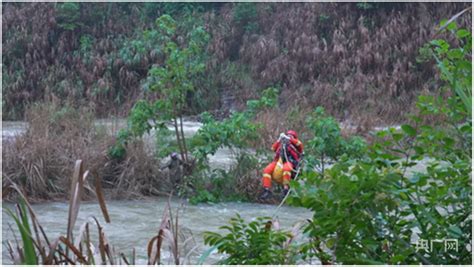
(174, 166)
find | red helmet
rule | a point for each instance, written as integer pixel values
(292, 133)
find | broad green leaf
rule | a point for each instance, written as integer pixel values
(462, 33)
(455, 231)
(443, 22)
(409, 130)
(419, 150)
(451, 26)
(397, 136)
(414, 179)
(455, 54)
(448, 141)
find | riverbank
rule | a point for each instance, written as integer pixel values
(39, 154)
(41, 158)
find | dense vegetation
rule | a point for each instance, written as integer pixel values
(353, 59)
(376, 207)
(372, 206)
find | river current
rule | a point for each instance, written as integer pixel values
(135, 222)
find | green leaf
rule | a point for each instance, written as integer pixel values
(419, 150)
(462, 33)
(448, 141)
(414, 179)
(397, 136)
(409, 130)
(25, 232)
(443, 22)
(30, 255)
(403, 195)
(207, 253)
(455, 231)
(398, 259)
(451, 26)
(466, 128)
(455, 54)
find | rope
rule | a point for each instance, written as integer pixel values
(285, 143)
(287, 194)
(284, 150)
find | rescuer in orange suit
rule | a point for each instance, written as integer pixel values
(294, 152)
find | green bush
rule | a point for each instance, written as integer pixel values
(236, 184)
(255, 243)
(173, 80)
(237, 133)
(327, 143)
(203, 196)
(68, 15)
(245, 15)
(397, 201)
(394, 207)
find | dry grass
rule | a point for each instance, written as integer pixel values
(177, 239)
(360, 65)
(137, 175)
(247, 179)
(355, 63)
(41, 160)
(275, 121)
(43, 63)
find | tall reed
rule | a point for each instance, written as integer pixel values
(36, 247)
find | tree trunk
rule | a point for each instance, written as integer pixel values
(178, 139)
(182, 138)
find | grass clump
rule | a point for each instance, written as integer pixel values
(40, 161)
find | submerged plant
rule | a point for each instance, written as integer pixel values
(179, 240)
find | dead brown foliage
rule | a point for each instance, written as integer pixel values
(137, 175)
(46, 62)
(41, 160)
(360, 65)
(248, 182)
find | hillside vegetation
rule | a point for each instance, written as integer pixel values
(358, 60)
(382, 198)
